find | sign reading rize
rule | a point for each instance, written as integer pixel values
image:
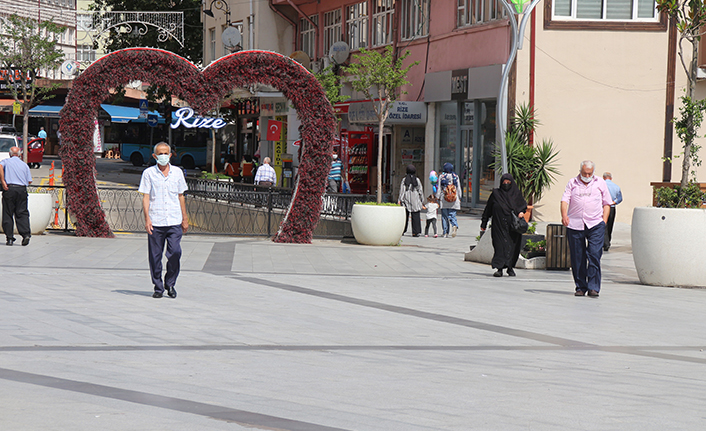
(185, 117)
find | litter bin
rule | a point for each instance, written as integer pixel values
(558, 255)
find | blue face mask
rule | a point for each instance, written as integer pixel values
(163, 159)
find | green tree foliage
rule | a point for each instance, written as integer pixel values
(379, 76)
(25, 49)
(533, 167)
(193, 28)
(689, 17)
(331, 83)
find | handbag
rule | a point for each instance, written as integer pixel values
(519, 224)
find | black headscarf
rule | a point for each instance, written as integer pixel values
(511, 201)
(411, 178)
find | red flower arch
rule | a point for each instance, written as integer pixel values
(202, 91)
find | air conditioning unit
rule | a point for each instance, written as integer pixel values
(700, 74)
(317, 65)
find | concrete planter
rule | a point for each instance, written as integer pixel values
(668, 246)
(377, 224)
(40, 211)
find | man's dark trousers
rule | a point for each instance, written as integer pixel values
(155, 247)
(586, 247)
(14, 204)
(609, 229)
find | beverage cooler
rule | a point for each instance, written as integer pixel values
(359, 162)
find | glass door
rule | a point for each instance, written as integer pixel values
(465, 172)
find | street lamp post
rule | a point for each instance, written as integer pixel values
(220, 5)
(516, 44)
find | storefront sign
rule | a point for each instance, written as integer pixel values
(400, 113)
(272, 107)
(185, 117)
(459, 84)
(15, 78)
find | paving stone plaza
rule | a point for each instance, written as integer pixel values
(338, 336)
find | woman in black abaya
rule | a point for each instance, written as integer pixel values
(502, 204)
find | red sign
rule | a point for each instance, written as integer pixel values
(274, 130)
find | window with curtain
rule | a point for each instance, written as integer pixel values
(609, 10)
(357, 25)
(308, 35)
(414, 18)
(470, 12)
(383, 10)
(332, 29)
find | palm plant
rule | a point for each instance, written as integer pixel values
(533, 167)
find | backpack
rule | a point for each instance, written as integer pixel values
(450, 193)
(449, 189)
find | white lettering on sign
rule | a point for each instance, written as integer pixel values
(184, 118)
(459, 85)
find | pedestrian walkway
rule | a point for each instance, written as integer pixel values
(338, 336)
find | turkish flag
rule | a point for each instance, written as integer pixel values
(274, 130)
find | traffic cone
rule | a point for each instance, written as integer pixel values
(56, 215)
(51, 174)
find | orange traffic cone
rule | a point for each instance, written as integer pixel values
(51, 174)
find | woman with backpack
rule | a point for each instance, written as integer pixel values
(505, 203)
(412, 197)
(449, 195)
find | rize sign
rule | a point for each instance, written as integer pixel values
(185, 117)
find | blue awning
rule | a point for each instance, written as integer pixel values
(45, 111)
(125, 114)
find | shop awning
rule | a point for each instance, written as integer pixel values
(50, 111)
(125, 114)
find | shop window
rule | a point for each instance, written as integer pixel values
(383, 11)
(414, 19)
(332, 29)
(308, 35)
(625, 15)
(471, 12)
(357, 25)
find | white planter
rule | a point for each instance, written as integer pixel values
(378, 224)
(40, 207)
(668, 246)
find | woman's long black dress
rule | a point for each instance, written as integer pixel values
(501, 205)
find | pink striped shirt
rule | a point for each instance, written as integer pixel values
(586, 202)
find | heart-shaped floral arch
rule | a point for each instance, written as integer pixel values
(202, 91)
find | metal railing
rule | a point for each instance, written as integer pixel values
(213, 207)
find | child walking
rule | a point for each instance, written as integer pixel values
(432, 206)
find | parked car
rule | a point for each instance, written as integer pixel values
(7, 129)
(6, 142)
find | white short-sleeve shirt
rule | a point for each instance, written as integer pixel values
(164, 192)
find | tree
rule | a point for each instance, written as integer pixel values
(193, 28)
(331, 83)
(383, 75)
(24, 52)
(689, 17)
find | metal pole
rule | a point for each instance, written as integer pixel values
(516, 44)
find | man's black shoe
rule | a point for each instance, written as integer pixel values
(580, 293)
(157, 295)
(606, 248)
(171, 291)
(511, 272)
(498, 273)
(25, 240)
(10, 242)
(593, 294)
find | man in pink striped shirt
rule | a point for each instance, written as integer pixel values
(585, 208)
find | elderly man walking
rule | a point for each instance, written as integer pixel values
(266, 175)
(585, 208)
(15, 177)
(163, 187)
(617, 196)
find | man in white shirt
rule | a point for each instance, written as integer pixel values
(164, 206)
(15, 177)
(266, 175)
